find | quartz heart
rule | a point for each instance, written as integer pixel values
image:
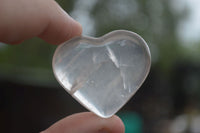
(103, 73)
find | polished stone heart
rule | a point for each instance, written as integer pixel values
(103, 73)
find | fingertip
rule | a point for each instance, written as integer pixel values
(118, 124)
(112, 125)
(60, 26)
(100, 125)
(62, 32)
(72, 29)
(78, 28)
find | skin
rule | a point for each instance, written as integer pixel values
(24, 19)
(87, 122)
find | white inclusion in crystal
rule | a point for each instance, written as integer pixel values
(123, 43)
(122, 95)
(123, 77)
(115, 61)
(78, 84)
(66, 83)
(112, 57)
(84, 101)
(129, 90)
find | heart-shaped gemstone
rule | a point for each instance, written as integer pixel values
(102, 73)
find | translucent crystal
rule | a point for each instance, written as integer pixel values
(103, 73)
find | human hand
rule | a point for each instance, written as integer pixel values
(87, 122)
(24, 19)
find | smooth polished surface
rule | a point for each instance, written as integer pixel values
(103, 73)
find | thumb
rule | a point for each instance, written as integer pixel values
(87, 123)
